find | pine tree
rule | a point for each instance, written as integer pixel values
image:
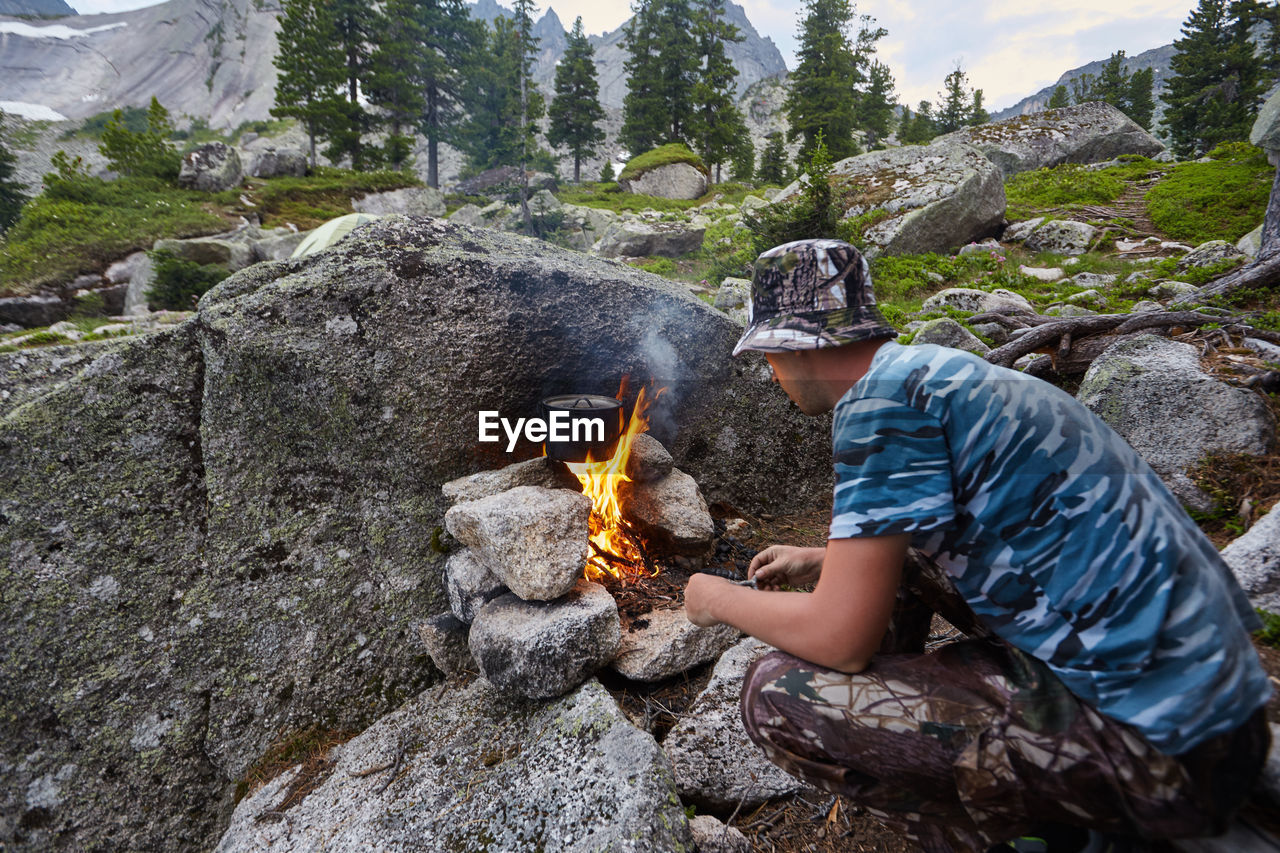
(773, 161)
(1059, 99)
(955, 104)
(977, 112)
(1112, 85)
(12, 198)
(452, 41)
(145, 154)
(644, 111)
(718, 130)
(357, 25)
(1083, 89)
(607, 173)
(678, 57)
(742, 165)
(395, 78)
(875, 108)
(494, 133)
(1213, 91)
(921, 128)
(1141, 104)
(575, 111)
(310, 68)
(825, 87)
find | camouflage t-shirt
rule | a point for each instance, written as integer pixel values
(1062, 540)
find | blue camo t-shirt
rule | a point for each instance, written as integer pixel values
(1062, 540)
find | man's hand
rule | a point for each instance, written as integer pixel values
(699, 595)
(788, 565)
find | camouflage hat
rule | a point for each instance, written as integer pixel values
(812, 294)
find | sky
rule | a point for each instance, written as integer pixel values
(1008, 48)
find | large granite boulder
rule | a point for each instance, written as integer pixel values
(33, 311)
(221, 533)
(279, 162)
(211, 168)
(1085, 133)
(480, 771)
(1153, 392)
(1266, 127)
(674, 180)
(223, 250)
(918, 198)
(411, 201)
(636, 239)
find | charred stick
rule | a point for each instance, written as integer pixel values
(612, 558)
(633, 535)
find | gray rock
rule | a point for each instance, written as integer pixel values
(1086, 133)
(1265, 132)
(1250, 243)
(753, 202)
(586, 225)
(263, 486)
(1019, 231)
(534, 539)
(716, 764)
(1268, 782)
(468, 214)
(1094, 280)
(948, 333)
(445, 638)
(31, 312)
(123, 270)
(540, 649)
(1169, 289)
(1042, 273)
(469, 584)
(985, 247)
(211, 168)
(1088, 299)
(277, 245)
(28, 374)
(994, 332)
(1145, 305)
(279, 163)
(633, 239)
(1210, 253)
(539, 471)
(1070, 311)
(144, 276)
(979, 301)
(1254, 557)
(712, 836)
(933, 198)
(732, 293)
(674, 180)
(1062, 237)
(669, 645)
(481, 772)
(1267, 350)
(649, 460)
(670, 513)
(1153, 393)
(232, 254)
(410, 201)
(543, 204)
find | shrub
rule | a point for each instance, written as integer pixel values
(144, 153)
(658, 266)
(1223, 199)
(811, 214)
(179, 283)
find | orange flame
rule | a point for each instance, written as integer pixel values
(600, 482)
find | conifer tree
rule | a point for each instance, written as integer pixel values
(145, 154)
(494, 133)
(921, 128)
(955, 105)
(718, 130)
(773, 160)
(825, 86)
(607, 173)
(309, 63)
(357, 26)
(1213, 91)
(678, 57)
(575, 111)
(875, 109)
(977, 112)
(644, 110)
(1141, 104)
(1059, 99)
(1083, 89)
(12, 198)
(452, 41)
(1112, 84)
(395, 78)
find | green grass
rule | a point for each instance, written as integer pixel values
(82, 225)
(1220, 200)
(1270, 631)
(664, 155)
(1029, 193)
(609, 196)
(309, 201)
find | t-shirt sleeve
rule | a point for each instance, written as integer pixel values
(893, 470)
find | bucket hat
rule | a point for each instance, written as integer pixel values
(811, 294)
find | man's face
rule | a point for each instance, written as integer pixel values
(791, 370)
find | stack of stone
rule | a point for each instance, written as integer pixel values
(522, 612)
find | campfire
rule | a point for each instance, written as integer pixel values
(617, 549)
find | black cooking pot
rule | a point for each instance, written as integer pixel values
(573, 436)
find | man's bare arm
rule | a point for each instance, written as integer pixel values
(838, 625)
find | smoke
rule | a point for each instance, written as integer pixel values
(665, 372)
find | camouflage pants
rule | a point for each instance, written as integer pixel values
(978, 742)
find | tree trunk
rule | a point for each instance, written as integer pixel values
(577, 173)
(433, 163)
(1269, 243)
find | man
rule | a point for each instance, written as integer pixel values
(1107, 685)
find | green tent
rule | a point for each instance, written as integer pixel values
(331, 232)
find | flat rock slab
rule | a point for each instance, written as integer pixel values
(668, 645)
(480, 772)
(636, 239)
(1086, 133)
(533, 539)
(674, 180)
(979, 301)
(670, 513)
(541, 649)
(540, 471)
(716, 764)
(1153, 393)
(1255, 560)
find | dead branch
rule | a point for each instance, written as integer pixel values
(1156, 319)
(1048, 334)
(1264, 272)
